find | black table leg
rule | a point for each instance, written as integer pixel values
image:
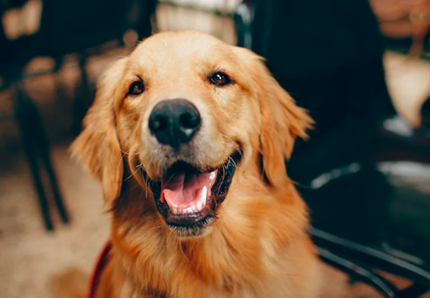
(29, 124)
(36, 146)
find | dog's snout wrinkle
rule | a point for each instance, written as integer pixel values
(174, 122)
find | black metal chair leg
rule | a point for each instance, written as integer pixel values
(53, 181)
(35, 172)
(29, 124)
(359, 273)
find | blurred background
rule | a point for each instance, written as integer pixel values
(361, 68)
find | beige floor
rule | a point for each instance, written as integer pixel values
(29, 256)
(32, 259)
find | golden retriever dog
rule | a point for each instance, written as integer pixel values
(188, 136)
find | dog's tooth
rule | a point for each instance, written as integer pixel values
(204, 194)
(199, 206)
(212, 175)
(175, 210)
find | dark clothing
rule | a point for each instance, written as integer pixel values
(327, 54)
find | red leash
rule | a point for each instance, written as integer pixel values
(101, 264)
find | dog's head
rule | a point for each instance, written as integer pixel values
(185, 115)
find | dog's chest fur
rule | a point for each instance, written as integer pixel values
(189, 279)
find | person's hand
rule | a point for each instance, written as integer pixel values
(404, 19)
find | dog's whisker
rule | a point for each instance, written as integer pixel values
(148, 188)
(232, 161)
(131, 175)
(183, 253)
(145, 180)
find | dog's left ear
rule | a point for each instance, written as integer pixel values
(282, 121)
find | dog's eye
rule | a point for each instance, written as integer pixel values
(136, 88)
(220, 79)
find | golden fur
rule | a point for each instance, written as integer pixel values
(258, 246)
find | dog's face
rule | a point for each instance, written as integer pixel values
(180, 115)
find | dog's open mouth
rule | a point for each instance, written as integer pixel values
(188, 198)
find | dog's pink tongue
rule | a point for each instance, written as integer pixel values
(184, 190)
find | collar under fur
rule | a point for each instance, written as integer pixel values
(101, 264)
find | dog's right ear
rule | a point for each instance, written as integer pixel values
(97, 148)
(281, 119)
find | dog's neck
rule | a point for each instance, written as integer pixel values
(148, 250)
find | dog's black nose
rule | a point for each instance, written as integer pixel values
(174, 122)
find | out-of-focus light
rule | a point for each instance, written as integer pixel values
(325, 178)
(130, 38)
(398, 126)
